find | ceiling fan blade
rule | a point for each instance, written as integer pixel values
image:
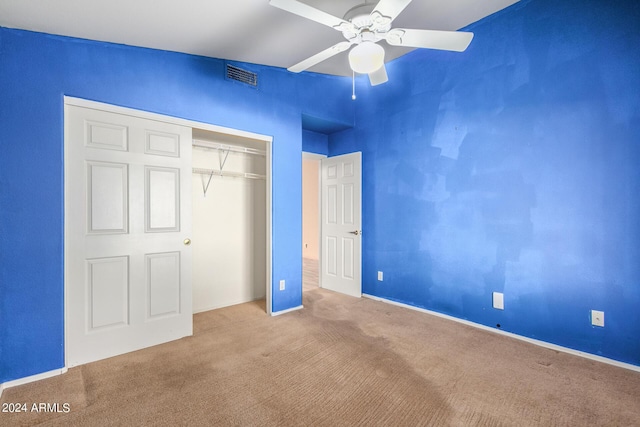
(319, 57)
(306, 11)
(389, 9)
(457, 41)
(379, 76)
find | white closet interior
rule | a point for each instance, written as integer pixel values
(229, 220)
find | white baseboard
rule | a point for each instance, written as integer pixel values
(32, 378)
(512, 335)
(289, 310)
(215, 307)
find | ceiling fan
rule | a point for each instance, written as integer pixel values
(364, 26)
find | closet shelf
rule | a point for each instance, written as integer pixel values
(232, 148)
(229, 174)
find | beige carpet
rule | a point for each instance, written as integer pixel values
(310, 274)
(341, 361)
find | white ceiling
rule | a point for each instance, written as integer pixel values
(240, 30)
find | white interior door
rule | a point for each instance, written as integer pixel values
(127, 225)
(341, 232)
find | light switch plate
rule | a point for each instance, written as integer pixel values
(380, 276)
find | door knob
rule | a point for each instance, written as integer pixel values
(355, 232)
(186, 242)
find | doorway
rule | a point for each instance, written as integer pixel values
(332, 221)
(311, 204)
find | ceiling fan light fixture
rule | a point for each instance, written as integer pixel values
(366, 57)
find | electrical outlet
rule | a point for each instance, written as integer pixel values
(597, 318)
(282, 285)
(379, 276)
(498, 300)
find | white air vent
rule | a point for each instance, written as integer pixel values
(244, 76)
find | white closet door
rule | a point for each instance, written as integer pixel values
(127, 230)
(341, 230)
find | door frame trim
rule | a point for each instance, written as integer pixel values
(111, 108)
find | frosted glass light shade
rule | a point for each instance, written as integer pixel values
(366, 57)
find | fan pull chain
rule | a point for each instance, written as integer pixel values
(353, 85)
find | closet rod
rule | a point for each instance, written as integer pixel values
(230, 174)
(233, 148)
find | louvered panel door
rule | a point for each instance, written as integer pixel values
(128, 221)
(341, 230)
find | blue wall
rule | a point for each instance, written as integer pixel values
(315, 142)
(512, 167)
(36, 71)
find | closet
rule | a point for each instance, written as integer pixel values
(229, 203)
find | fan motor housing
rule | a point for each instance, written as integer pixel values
(368, 25)
(360, 15)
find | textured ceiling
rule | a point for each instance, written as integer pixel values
(241, 30)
